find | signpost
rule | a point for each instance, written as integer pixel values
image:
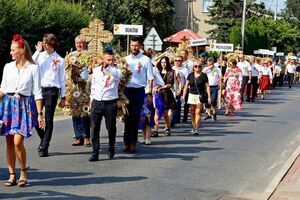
(221, 47)
(128, 29)
(199, 42)
(153, 40)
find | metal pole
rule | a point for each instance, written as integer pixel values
(127, 44)
(243, 25)
(276, 10)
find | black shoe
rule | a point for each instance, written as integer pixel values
(214, 117)
(39, 149)
(44, 153)
(252, 100)
(207, 117)
(94, 158)
(110, 154)
(248, 100)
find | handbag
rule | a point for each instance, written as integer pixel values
(202, 97)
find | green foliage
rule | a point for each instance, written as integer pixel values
(293, 7)
(263, 33)
(149, 13)
(32, 19)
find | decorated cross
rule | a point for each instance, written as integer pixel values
(95, 35)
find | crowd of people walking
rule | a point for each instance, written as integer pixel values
(154, 91)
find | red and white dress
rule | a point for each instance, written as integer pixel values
(266, 76)
(233, 77)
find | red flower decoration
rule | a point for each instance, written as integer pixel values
(19, 40)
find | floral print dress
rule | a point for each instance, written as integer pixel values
(232, 78)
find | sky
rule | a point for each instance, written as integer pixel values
(272, 4)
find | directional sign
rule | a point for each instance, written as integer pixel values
(221, 47)
(280, 54)
(199, 42)
(153, 40)
(127, 29)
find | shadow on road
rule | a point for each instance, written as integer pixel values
(46, 194)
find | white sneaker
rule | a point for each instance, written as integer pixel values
(196, 132)
(142, 141)
(147, 142)
(192, 131)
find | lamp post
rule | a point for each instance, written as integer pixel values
(243, 25)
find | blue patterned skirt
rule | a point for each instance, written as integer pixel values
(19, 115)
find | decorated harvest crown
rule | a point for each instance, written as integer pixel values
(19, 40)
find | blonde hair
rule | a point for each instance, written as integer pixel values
(27, 51)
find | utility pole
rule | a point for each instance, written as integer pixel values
(276, 10)
(243, 25)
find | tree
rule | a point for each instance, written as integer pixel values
(293, 8)
(149, 13)
(225, 14)
(263, 33)
(32, 19)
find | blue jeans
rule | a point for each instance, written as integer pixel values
(81, 126)
(177, 111)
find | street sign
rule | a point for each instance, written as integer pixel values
(221, 47)
(128, 29)
(280, 54)
(153, 40)
(199, 42)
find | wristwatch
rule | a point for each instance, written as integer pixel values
(40, 113)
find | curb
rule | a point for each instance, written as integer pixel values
(281, 174)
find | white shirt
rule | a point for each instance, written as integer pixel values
(214, 74)
(141, 68)
(105, 86)
(255, 69)
(25, 81)
(245, 67)
(277, 69)
(52, 70)
(183, 73)
(189, 64)
(156, 81)
(291, 68)
(266, 71)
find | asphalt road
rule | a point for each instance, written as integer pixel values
(236, 156)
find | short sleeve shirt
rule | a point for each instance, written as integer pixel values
(198, 82)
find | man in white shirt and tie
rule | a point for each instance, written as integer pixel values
(53, 82)
(104, 96)
(246, 69)
(142, 75)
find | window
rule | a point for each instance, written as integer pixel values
(206, 4)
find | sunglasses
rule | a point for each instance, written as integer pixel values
(197, 66)
(177, 60)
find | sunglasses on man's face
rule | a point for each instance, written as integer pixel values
(177, 60)
(197, 66)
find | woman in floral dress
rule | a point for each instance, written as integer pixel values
(233, 80)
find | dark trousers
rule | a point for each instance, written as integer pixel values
(108, 110)
(50, 96)
(290, 77)
(136, 100)
(81, 126)
(186, 108)
(281, 80)
(276, 80)
(244, 83)
(177, 111)
(254, 85)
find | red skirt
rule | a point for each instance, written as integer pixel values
(265, 83)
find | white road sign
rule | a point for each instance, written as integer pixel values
(127, 29)
(221, 47)
(199, 42)
(153, 40)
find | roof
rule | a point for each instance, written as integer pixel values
(183, 35)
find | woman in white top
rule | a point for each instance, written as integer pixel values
(266, 78)
(21, 106)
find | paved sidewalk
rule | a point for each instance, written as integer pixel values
(289, 187)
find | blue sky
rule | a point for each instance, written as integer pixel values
(272, 4)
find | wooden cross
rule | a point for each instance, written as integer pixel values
(95, 35)
(238, 49)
